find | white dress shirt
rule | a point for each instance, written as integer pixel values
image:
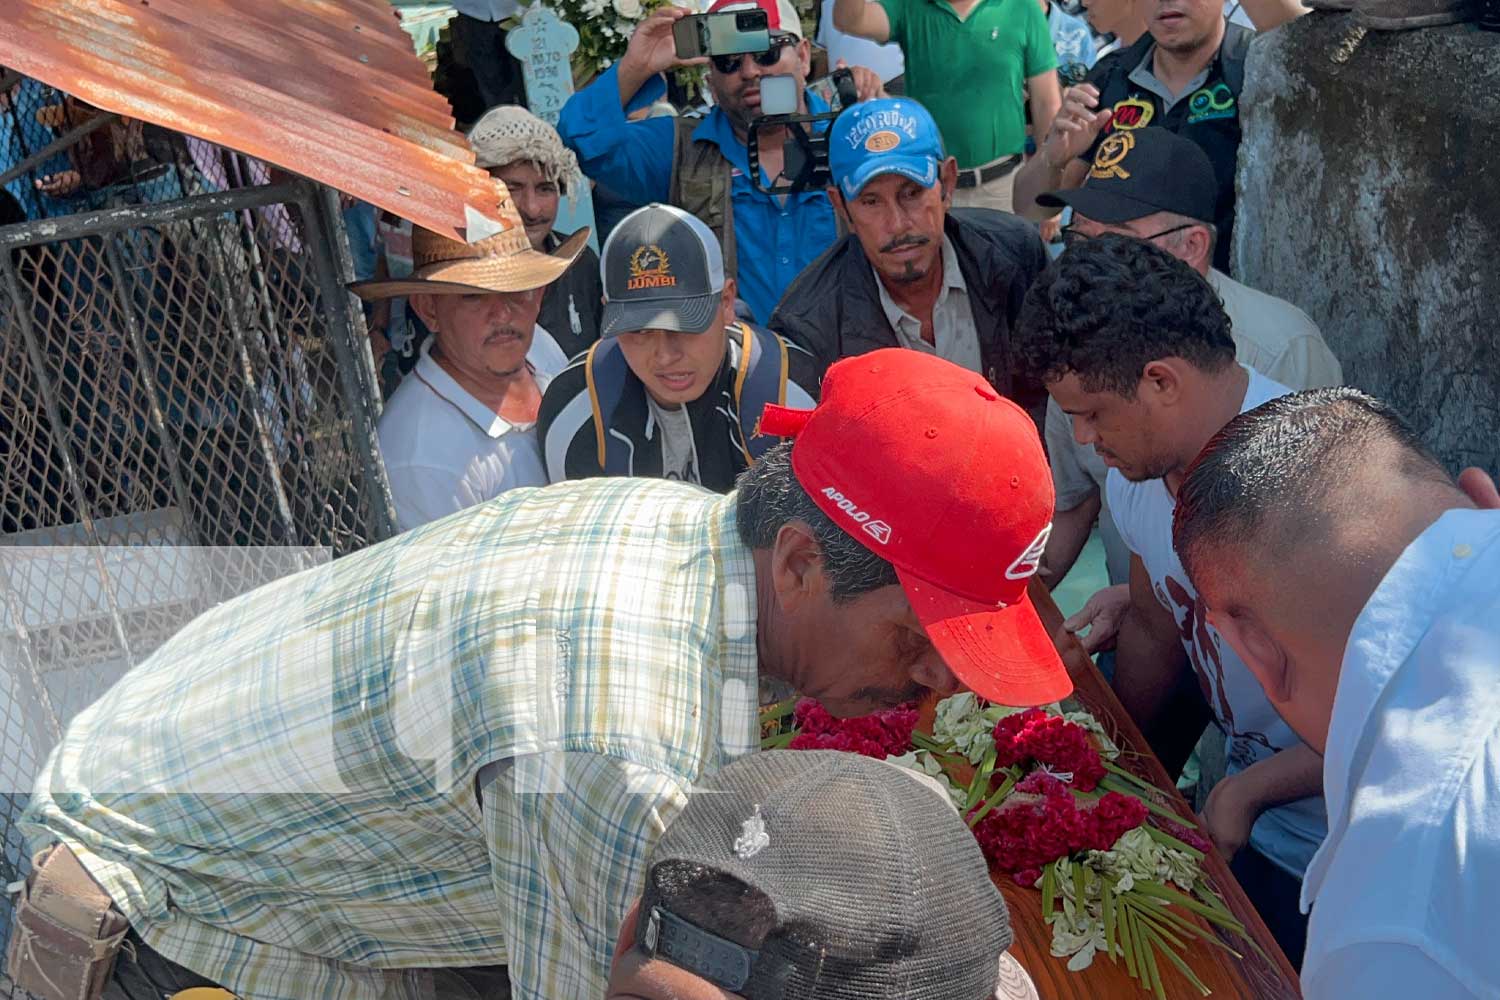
(1403, 890)
(444, 450)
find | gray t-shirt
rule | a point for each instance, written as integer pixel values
(679, 453)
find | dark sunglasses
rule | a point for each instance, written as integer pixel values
(1072, 237)
(770, 57)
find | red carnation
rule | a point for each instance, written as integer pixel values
(1033, 735)
(879, 735)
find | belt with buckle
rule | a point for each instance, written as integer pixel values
(983, 175)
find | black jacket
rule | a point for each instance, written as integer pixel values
(833, 308)
(574, 303)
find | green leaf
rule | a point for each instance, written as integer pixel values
(1049, 891)
(1127, 943)
(1148, 951)
(996, 799)
(1182, 967)
(1107, 905)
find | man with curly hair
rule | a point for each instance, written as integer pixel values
(1134, 346)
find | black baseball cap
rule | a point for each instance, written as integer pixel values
(662, 269)
(1137, 172)
(864, 882)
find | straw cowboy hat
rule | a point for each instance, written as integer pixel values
(504, 262)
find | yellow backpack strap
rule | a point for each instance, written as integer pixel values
(767, 377)
(588, 373)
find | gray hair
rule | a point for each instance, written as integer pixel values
(1274, 469)
(770, 496)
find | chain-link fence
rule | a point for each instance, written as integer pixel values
(187, 406)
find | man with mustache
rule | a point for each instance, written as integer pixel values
(703, 165)
(912, 272)
(461, 427)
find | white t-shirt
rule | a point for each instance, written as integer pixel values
(1405, 883)
(1287, 834)
(885, 61)
(444, 450)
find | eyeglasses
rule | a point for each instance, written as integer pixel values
(1072, 236)
(770, 57)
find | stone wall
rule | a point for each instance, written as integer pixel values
(1369, 195)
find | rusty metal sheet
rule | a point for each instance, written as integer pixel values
(330, 89)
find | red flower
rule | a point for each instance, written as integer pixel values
(1025, 834)
(1189, 835)
(879, 735)
(1034, 735)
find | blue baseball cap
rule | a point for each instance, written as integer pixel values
(889, 135)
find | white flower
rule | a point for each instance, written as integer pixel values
(628, 8)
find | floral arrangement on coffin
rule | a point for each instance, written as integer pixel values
(1119, 872)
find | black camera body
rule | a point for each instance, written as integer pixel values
(804, 155)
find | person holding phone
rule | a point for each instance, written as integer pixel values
(702, 165)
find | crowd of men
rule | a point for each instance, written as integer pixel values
(462, 763)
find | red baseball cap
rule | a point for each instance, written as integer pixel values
(781, 16)
(927, 466)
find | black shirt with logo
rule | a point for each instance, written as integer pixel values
(1210, 115)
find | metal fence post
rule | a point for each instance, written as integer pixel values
(346, 332)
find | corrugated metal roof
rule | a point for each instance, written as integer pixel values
(330, 89)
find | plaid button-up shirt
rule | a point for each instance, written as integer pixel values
(283, 797)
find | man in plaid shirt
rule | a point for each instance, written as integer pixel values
(452, 752)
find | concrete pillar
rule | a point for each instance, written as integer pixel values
(1369, 195)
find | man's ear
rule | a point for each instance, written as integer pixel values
(1161, 381)
(1480, 488)
(1260, 651)
(425, 306)
(836, 199)
(948, 178)
(726, 302)
(796, 566)
(1198, 245)
(804, 59)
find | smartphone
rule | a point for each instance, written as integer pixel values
(837, 89)
(724, 34)
(778, 95)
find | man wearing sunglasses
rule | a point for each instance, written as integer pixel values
(703, 165)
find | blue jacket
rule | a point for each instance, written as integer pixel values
(634, 159)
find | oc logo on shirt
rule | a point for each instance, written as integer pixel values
(1211, 103)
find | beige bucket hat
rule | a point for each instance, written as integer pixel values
(504, 262)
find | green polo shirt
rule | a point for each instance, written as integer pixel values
(970, 73)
